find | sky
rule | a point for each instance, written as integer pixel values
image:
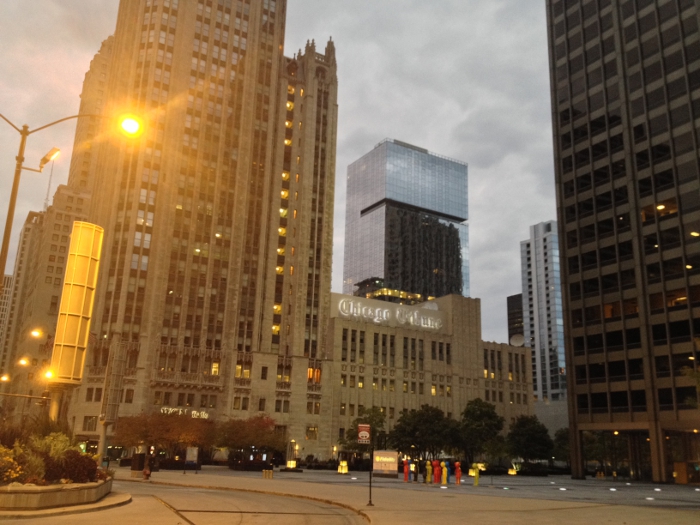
(468, 79)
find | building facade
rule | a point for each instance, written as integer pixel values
(20, 277)
(542, 311)
(401, 357)
(625, 78)
(40, 284)
(5, 303)
(215, 279)
(406, 221)
(514, 304)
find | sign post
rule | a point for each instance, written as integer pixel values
(364, 437)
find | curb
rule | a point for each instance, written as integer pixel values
(359, 512)
(111, 500)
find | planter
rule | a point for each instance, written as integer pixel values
(34, 497)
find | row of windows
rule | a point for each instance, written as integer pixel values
(183, 399)
(601, 403)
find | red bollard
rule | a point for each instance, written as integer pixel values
(437, 472)
(458, 473)
(405, 470)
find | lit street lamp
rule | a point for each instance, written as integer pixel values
(129, 126)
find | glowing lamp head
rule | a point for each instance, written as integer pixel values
(48, 374)
(36, 333)
(130, 126)
(4, 377)
(23, 362)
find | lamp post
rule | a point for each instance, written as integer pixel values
(129, 125)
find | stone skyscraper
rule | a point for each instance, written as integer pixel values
(215, 279)
(625, 79)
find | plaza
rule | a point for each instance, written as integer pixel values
(219, 495)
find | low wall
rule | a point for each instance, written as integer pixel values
(33, 497)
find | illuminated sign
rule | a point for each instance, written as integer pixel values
(195, 414)
(379, 312)
(385, 462)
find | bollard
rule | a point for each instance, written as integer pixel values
(476, 474)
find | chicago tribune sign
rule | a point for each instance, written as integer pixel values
(382, 313)
(196, 414)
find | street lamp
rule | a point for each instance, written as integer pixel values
(129, 125)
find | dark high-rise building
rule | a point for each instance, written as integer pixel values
(625, 79)
(406, 222)
(515, 316)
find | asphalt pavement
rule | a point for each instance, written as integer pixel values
(218, 495)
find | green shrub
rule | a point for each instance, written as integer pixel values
(33, 468)
(78, 467)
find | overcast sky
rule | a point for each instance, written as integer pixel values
(463, 78)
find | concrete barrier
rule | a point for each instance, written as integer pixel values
(33, 497)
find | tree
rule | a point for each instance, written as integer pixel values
(253, 433)
(425, 432)
(480, 425)
(562, 445)
(376, 420)
(529, 439)
(164, 431)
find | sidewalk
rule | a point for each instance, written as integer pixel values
(395, 503)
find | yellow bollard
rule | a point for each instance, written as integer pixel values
(476, 474)
(444, 473)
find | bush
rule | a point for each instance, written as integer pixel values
(9, 468)
(33, 468)
(78, 467)
(533, 469)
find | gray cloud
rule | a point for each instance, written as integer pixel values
(467, 79)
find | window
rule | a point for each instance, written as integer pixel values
(312, 433)
(181, 399)
(129, 396)
(263, 373)
(244, 403)
(261, 404)
(89, 423)
(237, 403)
(88, 394)
(342, 409)
(278, 405)
(157, 397)
(98, 395)
(285, 406)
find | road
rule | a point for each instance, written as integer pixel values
(163, 505)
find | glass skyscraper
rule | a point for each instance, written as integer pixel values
(406, 221)
(543, 323)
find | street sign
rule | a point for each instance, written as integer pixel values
(363, 434)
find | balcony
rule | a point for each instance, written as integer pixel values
(96, 371)
(241, 382)
(284, 385)
(313, 387)
(185, 378)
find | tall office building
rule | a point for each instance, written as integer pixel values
(514, 303)
(406, 222)
(215, 279)
(542, 311)
(20, 277)
(5, 303)
(625, 79)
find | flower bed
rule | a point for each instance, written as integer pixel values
(18, 496)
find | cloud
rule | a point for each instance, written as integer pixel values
(465, 79)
